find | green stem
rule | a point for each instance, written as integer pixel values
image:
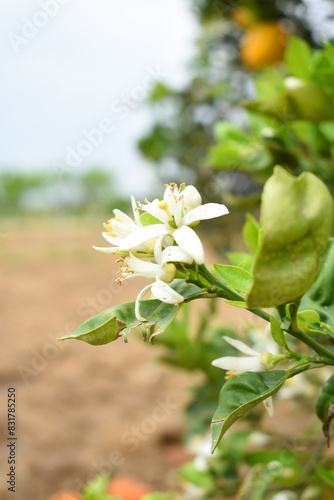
(305, 368)
(225, 292)
(323, 351)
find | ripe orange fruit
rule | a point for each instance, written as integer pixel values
(127, 489)
(65, 495)
(263, 44)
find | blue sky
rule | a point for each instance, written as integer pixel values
(74, 77)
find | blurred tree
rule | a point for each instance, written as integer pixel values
(237, 37)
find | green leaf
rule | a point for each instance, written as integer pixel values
(224, 131)
(239, 395)
(321, 296)
(147, 219)
(297, 219)
(237, 303)
(327, 129)
(325, 399)
(109, 324)
(250, 232)
(244, 260)
(326, 475)
(277, 332)
(238, 278)
(298, 58)
(309, 316)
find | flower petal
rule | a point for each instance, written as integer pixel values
(121, 229)
(187, 239)
(136, 211)
(142, 267)
(171, 195)
(138, 301)
(241, 346)
(158, 213)
(143, 234)
(165, 293)
(176, 254)
(178, 214)
(203, 212)
(268, 404)
(191, 198)
(158, 249)
(106, 249)
(240, 364)
(112, 239)
(125, 218)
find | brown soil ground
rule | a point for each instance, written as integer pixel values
(78, 406)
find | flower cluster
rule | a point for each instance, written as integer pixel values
(151, 244)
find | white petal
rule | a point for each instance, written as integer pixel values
(171, 196)
(187, 239)
(121, 229)
(112, 239)
(191, 198)
(268, 404)
(135, 211)
(176, 254)
(143, 234)
(165, 293)
(203, 212)
(157, 212)
(158, 249)
(125, 218)
(240, 364)
(178, 213)
(138, 301)
(143, 268)
(106, 249)
(241, 346)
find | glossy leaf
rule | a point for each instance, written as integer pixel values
(238, 278)
(321, 296)
(239, 395)
(111, 323)
(297, 218)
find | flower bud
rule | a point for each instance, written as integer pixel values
(191, 199)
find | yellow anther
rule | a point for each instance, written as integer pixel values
(229, 374)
